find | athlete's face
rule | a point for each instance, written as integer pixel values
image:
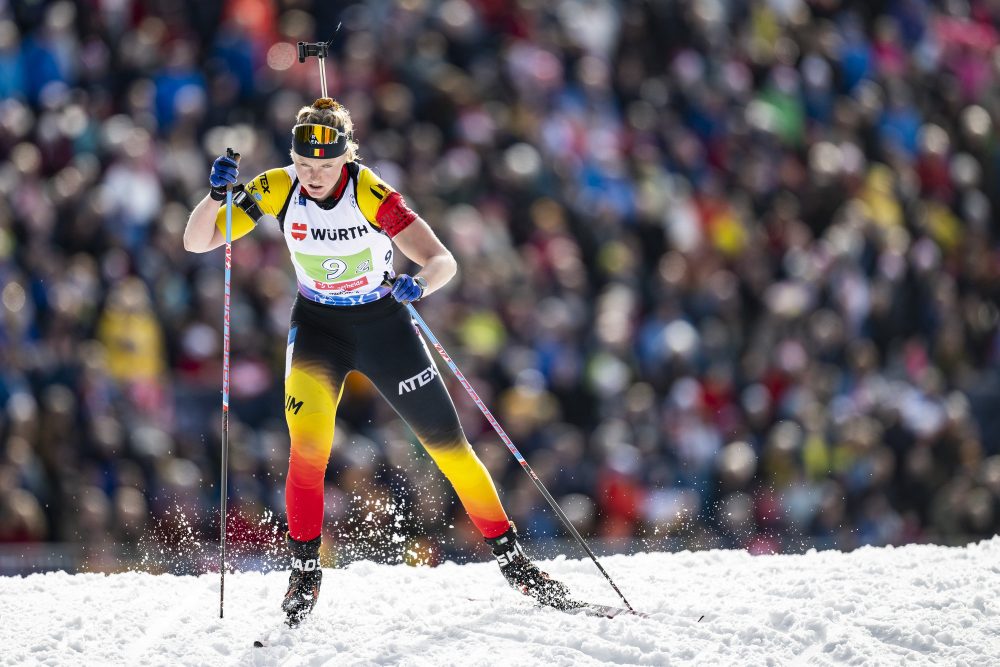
(318, 176)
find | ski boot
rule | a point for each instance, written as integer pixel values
(304, 581)
(523, 575)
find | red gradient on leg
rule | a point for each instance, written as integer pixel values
(304, 488)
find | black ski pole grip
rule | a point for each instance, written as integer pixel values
(235, 157)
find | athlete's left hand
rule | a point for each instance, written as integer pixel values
(406, 289)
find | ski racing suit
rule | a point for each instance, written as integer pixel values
(343, 319)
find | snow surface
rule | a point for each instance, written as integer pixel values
(915, 605)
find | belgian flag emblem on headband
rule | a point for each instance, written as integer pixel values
(318, 141)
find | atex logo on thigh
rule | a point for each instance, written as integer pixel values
(418, 380)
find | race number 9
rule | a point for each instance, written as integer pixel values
(336, 268)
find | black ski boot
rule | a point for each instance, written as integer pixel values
(304, 581)
(523, 575)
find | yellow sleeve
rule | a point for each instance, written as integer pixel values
(372, 191)
(269, 191)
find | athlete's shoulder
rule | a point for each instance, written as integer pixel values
(270, 189)
(371, 190)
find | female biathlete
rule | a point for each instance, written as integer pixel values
(340, 222)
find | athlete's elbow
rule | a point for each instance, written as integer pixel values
(198, 242)
(196, 246)
(191, 246)
(449, 265)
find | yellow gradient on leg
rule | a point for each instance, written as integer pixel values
(473, 484)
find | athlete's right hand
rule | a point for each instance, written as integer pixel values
(224, 172)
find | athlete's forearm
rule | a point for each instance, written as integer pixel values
(201, 234)
(419, 243)
(438, 270)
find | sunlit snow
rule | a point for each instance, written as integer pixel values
(915, 605)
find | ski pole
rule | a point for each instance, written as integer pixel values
(510, 445)
(225, 388)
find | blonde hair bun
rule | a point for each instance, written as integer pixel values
(325, 103)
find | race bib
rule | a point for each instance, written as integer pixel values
(342, 273)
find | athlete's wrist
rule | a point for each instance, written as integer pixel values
(421, 282)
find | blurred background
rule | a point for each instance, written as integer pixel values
(728, 272)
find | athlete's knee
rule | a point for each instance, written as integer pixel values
(456, 445)
(310, 451)
(441, 436)
(455, 456)
(305, 473)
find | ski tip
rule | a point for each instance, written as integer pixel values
(605, 611)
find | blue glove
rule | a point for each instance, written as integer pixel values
(407, 288)
(224, 172)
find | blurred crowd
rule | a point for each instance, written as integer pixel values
(728, 273)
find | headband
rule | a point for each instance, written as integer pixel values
(318, 141)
